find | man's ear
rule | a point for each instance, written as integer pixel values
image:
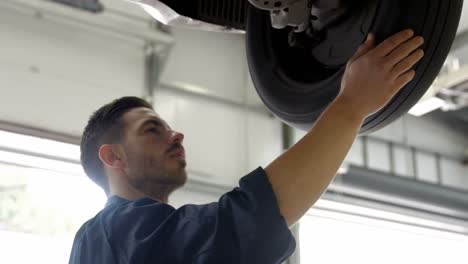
(110, 156)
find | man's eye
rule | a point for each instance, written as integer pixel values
(153, 130)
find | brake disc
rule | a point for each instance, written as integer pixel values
(300, 15)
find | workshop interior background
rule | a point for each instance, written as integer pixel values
(58, 64)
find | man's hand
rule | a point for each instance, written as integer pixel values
(375, 74)
(372, 77)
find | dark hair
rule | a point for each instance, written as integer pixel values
(105, 126)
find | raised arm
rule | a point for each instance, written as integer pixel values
(372, 77)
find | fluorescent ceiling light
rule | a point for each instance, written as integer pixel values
(425, 106)
(154, 13)
(157, 10)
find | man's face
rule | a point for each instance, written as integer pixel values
(154, 155)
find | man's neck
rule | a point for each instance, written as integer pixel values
(161, 195)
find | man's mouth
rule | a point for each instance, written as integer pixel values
(178, 152)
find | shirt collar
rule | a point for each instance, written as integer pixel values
(115, 199)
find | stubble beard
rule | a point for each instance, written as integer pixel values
(153, 179)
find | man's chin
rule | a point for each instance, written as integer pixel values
(180, 177)
(183, 163)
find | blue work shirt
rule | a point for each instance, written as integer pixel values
(244, 226)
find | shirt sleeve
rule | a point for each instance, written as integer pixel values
(247, 220)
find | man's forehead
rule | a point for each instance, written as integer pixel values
(138, 115)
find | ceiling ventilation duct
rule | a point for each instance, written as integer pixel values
(93, 6)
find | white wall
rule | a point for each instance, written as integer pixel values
(188, 196)
(213, 62)
(52, 76)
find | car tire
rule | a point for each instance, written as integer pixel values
(297, 84)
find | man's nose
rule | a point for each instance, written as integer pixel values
(176, 137)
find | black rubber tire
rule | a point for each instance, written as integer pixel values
(297, 89)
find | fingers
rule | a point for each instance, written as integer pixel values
(405, 49)
(400, 53)
(407, 63)
(387, 46)
(364, 48)
(404, 79)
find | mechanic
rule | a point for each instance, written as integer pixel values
(139, 160)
